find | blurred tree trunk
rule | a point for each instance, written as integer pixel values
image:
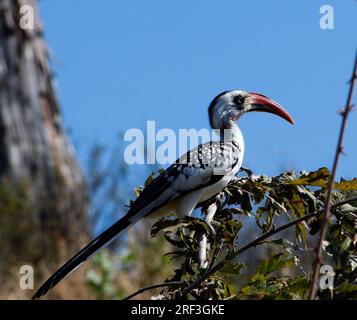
(43, 202)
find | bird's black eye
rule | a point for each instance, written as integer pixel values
(238, 100)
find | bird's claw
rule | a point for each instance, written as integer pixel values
(247, 171)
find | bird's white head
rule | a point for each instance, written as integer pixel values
(226, 108)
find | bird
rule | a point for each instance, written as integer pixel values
(194, 178)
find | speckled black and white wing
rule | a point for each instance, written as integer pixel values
(198, 168)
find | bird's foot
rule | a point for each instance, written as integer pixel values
(247, 171)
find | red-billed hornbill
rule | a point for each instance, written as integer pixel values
(194, 178)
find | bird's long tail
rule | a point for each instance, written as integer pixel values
(82, 255)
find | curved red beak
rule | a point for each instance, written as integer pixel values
(265, 104)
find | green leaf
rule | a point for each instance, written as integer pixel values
(233, 268)
(297, 287)
(320, 178)
(232, 228)
(297, 205)
(346, 291)
(283, 243)
(345, 185)
(276, 262)
(169, 225)
(149, 179)
(317, 178)
(138, 190)
(301, 231)
(346, 244)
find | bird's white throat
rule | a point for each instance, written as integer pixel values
(233, 134)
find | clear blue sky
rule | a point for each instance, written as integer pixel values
(121, 63)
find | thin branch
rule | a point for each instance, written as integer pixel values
(351, 277)
(160, 285)
(216, 253)
(341, 203)
(249, 245)
(327, 210)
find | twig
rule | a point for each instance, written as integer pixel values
(234, 254)
(160, 285)
(216, 253)
(341, 203)
(349, 277)
(327, 210)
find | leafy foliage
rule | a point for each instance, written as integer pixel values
(266, 203)
(100, 279)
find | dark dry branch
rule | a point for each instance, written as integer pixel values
(341, 203)
(327, 209)
(160, 285)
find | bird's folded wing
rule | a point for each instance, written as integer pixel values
(198, 168)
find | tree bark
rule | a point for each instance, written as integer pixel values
(43, 202)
